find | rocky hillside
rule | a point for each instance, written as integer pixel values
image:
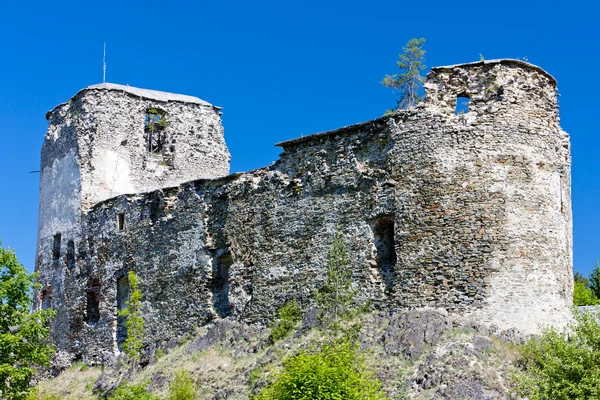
(420, 354)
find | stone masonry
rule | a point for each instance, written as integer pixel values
(468, 212)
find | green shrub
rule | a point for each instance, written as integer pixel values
(563, 365)
(182, 387)
(289, 315)
(335, 371)
(132, 392)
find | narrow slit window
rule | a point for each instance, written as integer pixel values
(56, 247)
(462, 104)
(70, 254)
(155, 127)
(121, 221)
(92, 306)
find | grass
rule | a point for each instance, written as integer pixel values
(76, 383)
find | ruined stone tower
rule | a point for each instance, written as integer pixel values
(110, 140)
(462, 207)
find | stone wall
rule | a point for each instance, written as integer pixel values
(470, 213)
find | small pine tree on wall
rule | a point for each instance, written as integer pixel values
(336, 296)
(408, 84)
(132, 346)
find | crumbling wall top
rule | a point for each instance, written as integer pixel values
(142, 93)
(503, 61)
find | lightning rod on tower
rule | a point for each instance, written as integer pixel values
(104, 65)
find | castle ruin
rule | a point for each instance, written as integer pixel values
(469, 212)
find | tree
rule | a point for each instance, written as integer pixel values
(409, 83)
(23, 333)
(336, 297)
(132, 346)
(595, 280)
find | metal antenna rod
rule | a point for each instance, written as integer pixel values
(104, 65)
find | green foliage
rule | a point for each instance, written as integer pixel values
(132, 392)
(289, 315)
(408, 84)
(584, 296)
(134, 323)
(335, 299)
(595, 280)
(182, 387)
(23, 334)
(563, 365)
(335, 371)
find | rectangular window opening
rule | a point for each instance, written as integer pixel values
(56, 248)
(121, 221)
(155, 127)
(92, 306)
(462, 104)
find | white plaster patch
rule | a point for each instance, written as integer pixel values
(117, 174)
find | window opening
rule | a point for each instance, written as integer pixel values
(155, 126)
(220, 285)
(121, 221)
(92, 306)
(70, 254)
(123, 295)
(383, 235)
(56, 248)
(462, 104)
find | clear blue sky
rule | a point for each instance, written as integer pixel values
(280, 69)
